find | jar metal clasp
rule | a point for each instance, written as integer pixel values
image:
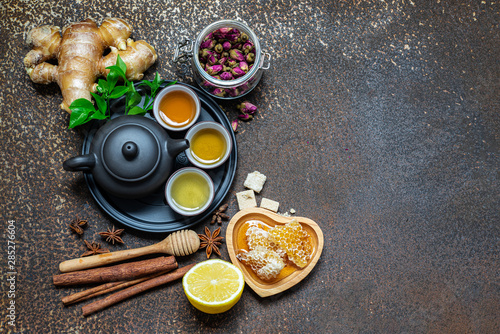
(183, 53)
(263, 60)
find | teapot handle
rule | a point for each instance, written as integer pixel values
(80, 163)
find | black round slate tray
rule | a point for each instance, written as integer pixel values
(151, 213)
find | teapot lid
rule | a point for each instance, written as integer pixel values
(130, 152)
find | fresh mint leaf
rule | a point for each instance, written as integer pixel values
(112, 79)
(81, 104)
(102, 87)
(97, 115)
(118, 71)
(102, 105)
(146, 83)
(134, 99)
(148, 102)
(118, 92)
(131, 86)
(121, 64)
(136, 111)
(156, 80)
(78, 117)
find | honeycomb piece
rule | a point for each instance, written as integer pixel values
(266, 263)
(258, 237)
(294, 241)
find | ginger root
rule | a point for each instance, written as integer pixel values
(79, 53)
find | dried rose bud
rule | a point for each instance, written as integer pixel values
(232, 37)
(220, 34)
(243, 37)
(226, 76)
(250, 57)
(218, 48)
(237, 46)
(225, 54)
(234, 125)
(204, 53)
(229, 34)
(208, 84)
(244, 66)
(209, 36)
(219, 92)
(226, 68)
(208, 44)
(233, 91)
(245, 117)
(212, 60)
(222, 61)
(223, 31)
(236, 55)
(214, 69)
(247, 108)
(248, 43)
(232, 63)
(247, 47)
(237, 72)
(226, 46)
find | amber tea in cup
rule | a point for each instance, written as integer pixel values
(176, 108)
(210, 145)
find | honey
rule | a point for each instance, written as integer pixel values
(177, 109)
(273, 253)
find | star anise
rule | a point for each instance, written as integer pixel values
(94, 248)
(219, 215)
(211, 241)
(77, 225)
(112, 235)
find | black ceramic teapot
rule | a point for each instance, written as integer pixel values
(129, 157)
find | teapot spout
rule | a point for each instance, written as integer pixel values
(176, 146)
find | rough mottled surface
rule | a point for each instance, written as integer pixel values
(377, 119)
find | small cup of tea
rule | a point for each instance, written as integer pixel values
(176, 107)
(189, 191)
(210, 145)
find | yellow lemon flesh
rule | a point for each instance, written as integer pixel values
(213, 286)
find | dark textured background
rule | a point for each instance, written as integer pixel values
(377, 119)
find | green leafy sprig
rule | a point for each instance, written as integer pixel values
(83, 110)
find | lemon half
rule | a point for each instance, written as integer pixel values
(213, 286)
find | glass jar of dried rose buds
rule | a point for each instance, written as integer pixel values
(226, 59)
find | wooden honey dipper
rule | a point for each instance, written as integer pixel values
(179, 243)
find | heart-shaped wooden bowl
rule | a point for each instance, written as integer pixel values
(261, 287)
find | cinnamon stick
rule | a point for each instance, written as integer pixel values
(104, 288)
(86, 294)
(133, 290)
(120, 272)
